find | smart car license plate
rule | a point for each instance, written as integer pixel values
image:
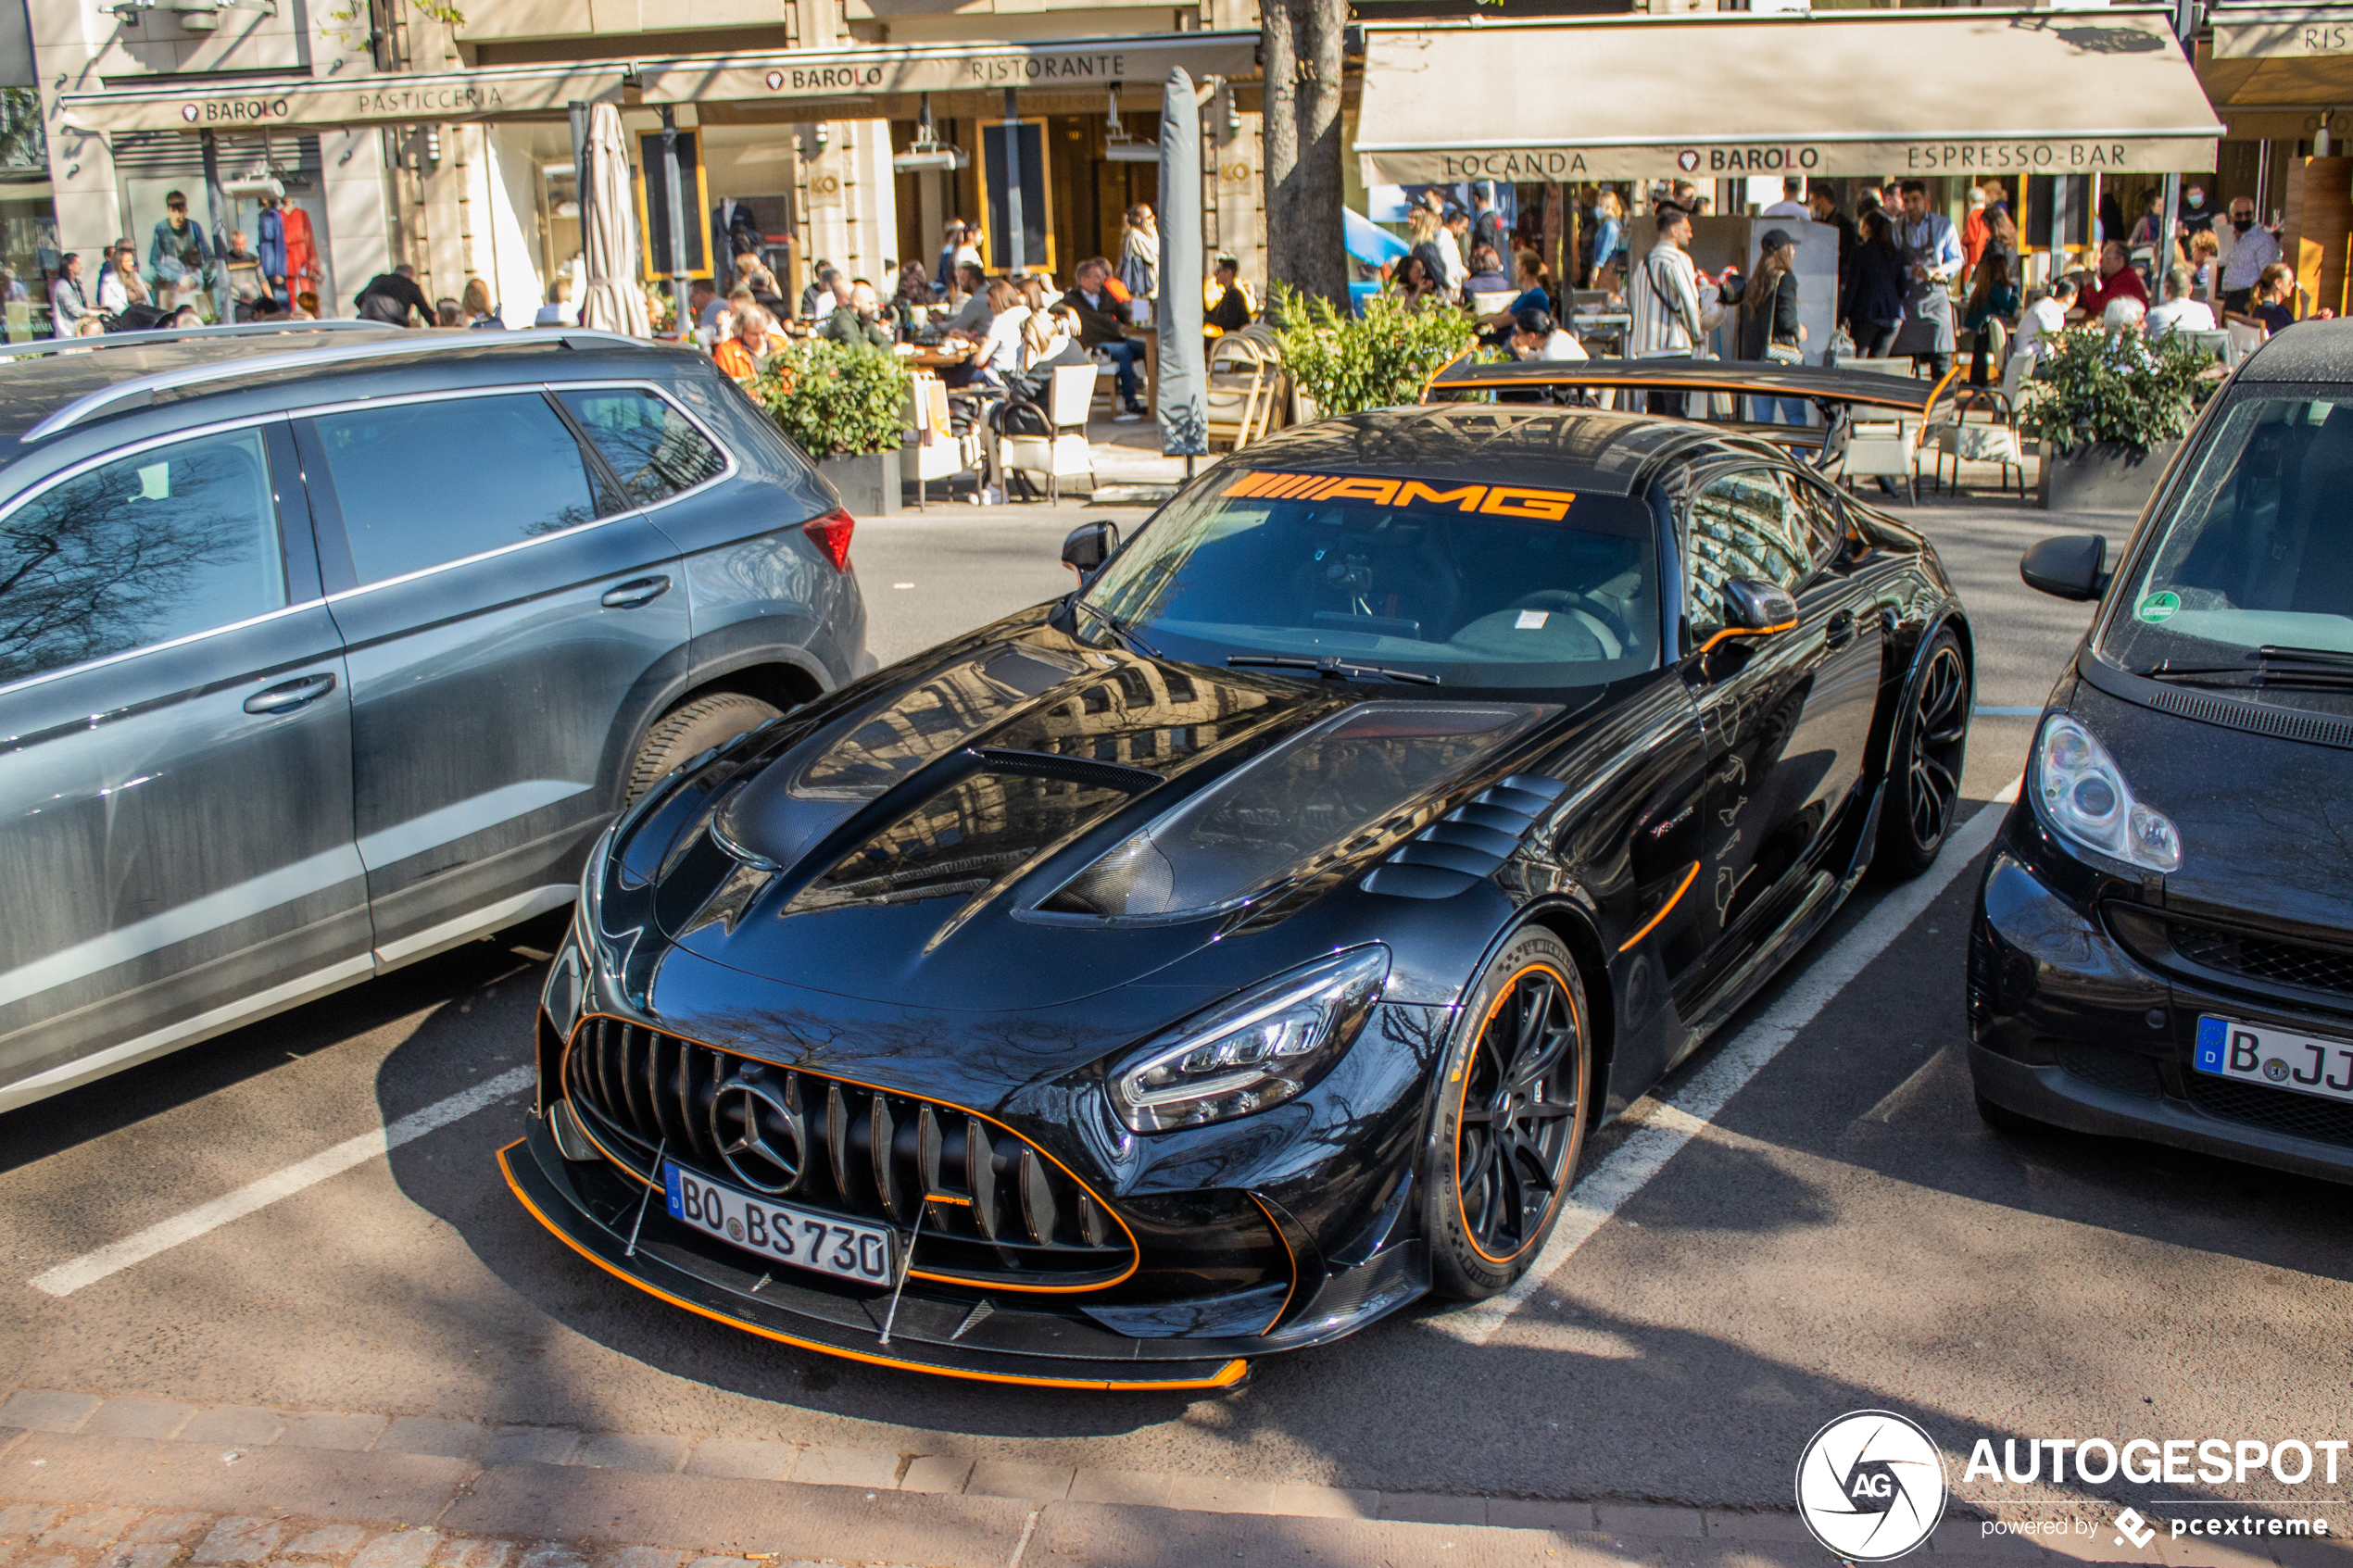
(845, 1248)
(2262, 1054)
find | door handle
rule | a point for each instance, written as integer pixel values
(643, 591)
(1839, 631)
(287, 696)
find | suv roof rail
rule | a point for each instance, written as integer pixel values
(175, 334)
(139, 391)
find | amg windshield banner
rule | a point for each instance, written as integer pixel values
(2102, 155)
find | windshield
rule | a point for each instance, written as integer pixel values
(1476, 584)
(2258, 552)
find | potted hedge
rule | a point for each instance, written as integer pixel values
(846, 405)
(2110, 409)
(1344, 364)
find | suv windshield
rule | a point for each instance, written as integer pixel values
(1476, 584)
(2249, 581)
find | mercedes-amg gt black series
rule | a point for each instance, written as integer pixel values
(2163, 943)
(1206, 963)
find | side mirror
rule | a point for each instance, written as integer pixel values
(1753, 605)
(1089, 545)
(2068, 567)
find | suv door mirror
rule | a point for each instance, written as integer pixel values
(1089, 545)
(2068, 567)
(1754, 604)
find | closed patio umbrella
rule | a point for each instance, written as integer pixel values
(615, 303)
(1181, 382)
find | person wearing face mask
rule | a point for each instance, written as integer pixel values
(2199, 213)
(2247, 248)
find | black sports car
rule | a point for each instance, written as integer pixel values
(1207, 963)
(2163, 944)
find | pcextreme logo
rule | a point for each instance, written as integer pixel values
(1870, 1487)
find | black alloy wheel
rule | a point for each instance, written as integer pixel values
(1931, 741)
(1517, 1091)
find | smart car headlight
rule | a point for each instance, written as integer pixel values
(1258, 1050)
(2085, 799)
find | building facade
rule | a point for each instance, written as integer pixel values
(442, 135)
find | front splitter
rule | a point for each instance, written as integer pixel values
(535, 1174)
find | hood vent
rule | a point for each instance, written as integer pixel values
(1464, 847)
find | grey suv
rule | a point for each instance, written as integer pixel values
(322, 652)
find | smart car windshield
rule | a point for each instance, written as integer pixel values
(2249, 581)
(1475, 584)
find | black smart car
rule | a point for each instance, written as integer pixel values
(1207, 963)
(2163, 944)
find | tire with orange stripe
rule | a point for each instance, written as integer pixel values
(1510, 1124)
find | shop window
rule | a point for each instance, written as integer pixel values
(163, 543)
(655, 448)
(424, 483)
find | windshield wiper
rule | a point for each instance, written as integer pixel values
(1326, 669)
(1120, 629)
(2321, 669)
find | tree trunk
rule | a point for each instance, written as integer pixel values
(1303, 42)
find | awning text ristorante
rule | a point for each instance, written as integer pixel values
(1097, 63)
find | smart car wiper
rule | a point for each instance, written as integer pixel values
(2318, 668)
(1120, 629)
(1326, 668)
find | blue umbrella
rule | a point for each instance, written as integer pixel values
(1369, 242)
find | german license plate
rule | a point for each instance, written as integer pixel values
(2261, 1054)
(845, 1248)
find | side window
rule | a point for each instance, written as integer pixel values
(168, 542)
(1744, 524)
(1823, 519)
(656, 449)
(420, 484)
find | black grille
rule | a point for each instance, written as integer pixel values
(2265, 957)
(2111, 1069)
(2280, 1110)
(996, 1211)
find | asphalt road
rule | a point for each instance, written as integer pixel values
(1845, 1235)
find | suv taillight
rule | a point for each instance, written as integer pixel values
(831, 535)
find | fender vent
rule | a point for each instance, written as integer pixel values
(1464, 847)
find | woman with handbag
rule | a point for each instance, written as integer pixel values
(1769, 327)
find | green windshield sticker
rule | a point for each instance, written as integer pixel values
(2159, 607)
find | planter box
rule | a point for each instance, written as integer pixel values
(2106, 476)
(868, 482)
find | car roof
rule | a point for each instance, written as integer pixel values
(1541, 444)
(71, 388)
(2310, 351)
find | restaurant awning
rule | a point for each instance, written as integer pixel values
(1841, 92)
(885, 80)
(816, 84)
(2278, 71)
(493, 93)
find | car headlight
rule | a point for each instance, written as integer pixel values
(1257, 1050)
(2084, 798)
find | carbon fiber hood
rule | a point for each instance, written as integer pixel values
(917, 841)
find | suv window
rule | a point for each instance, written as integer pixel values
(421, 484)
(168, 542)
(1746, 524)
(654, 447)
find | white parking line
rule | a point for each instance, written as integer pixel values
(1663, 1127)
(115, 1256)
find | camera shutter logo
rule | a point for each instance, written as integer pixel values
(1871, 1486)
